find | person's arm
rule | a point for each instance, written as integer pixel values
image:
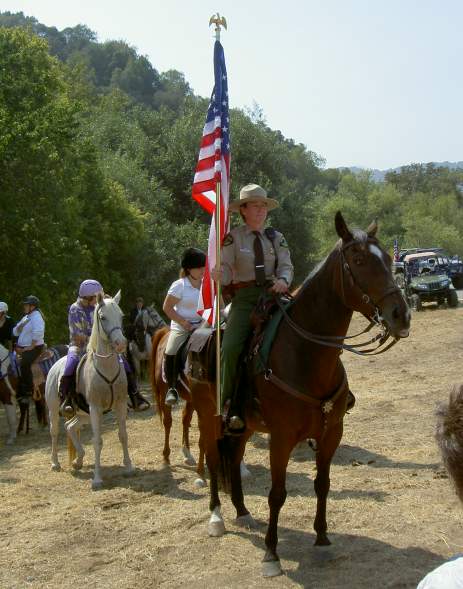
(76, 328)
(285, 269)
(227, 260)
(168, 308)
(20, 325)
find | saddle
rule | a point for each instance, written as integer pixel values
(39, 368)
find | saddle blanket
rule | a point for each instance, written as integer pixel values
(44, 365)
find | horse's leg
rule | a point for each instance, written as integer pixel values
(325, 452)
(95, 419)
(10, 412)
(166, 414)
(243, 517)
(187, 414)
(201, 480)
(73, 427)
(280, 450)
(53, 411)
(121, 412)
(28, 418)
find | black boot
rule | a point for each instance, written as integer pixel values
(66, 393)
(138, 402)
(171, 376)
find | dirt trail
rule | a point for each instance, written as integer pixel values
(391, 515)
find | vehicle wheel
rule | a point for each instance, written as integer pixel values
(457, 281)
(452, 299)
(415, 302)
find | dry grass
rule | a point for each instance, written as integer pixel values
(391, 515)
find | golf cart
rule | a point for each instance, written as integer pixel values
(425, 279)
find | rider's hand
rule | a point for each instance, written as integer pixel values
(280, 286)
(187, 325)
(216, 274)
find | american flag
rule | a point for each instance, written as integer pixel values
(214, 167)
(396, 250)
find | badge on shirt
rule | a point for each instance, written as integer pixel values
(228, 239)
(283, 242)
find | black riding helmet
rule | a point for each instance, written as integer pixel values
(193, 258)
(31, 300)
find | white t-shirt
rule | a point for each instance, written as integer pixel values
(448, 576)
(187, 305)
(34, 329)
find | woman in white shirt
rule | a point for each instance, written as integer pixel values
(180, 305)
(30, 332)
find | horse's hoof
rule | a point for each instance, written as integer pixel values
(77, 463)
(245, 473)
(246, 521)
(216, 528)
(200, 483)
(188, 459)
(322, 540)
(56, 467)
(271, 568)
(129, 471)
(97, 485)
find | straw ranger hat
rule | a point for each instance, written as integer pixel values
(252, 193)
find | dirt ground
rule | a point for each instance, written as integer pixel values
(392, 514)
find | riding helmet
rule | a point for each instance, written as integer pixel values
(31, 300)
(90, 288)
(3, 307)
(193, 258)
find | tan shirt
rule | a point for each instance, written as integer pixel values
(238, 263)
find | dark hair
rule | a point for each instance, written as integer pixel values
(449, 436)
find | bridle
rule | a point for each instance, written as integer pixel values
(108, 334)
(333, 341)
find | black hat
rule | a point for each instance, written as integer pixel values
(31, 300)
(193, 258)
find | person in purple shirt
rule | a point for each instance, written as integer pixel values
(80, 320)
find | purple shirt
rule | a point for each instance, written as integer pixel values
(80, 320)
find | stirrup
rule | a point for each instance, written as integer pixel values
(171, 397)
(235, 423)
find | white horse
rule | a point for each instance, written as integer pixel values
(102, 381)
(147, 322)
(7, 395)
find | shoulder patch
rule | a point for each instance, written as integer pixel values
(283, 242)
(228, 239)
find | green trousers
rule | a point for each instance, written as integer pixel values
(236, 333)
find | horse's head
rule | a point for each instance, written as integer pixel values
(108, 314)
(366, 281)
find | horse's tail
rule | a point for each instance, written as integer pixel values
(228, 446)
(71, 449)
(157, 337)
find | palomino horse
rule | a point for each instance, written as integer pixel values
(303, 392)
(146, 324)
(102, 382)
(9, 381)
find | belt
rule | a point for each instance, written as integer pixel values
(238, 285)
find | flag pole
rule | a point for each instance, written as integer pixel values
(219, 22)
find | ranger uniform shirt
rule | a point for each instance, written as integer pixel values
(238, 263)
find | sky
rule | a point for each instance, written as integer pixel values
(371, 83)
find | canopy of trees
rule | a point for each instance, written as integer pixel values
(97, 155)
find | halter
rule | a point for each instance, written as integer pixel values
(334, 341)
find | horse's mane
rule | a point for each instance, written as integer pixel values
(358, 235)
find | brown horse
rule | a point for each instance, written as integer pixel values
(303, 392)
(159, 342)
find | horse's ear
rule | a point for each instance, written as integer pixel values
(341, 228)
(117, 297)
(373, 228)
(100, 298)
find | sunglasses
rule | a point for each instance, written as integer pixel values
(89, 298)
